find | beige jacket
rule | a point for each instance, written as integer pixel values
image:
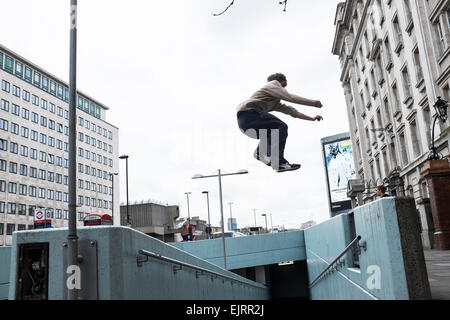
(268, 99)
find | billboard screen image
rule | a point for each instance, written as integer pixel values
(340, 169)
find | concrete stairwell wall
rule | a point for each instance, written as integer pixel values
(391, 260)
(118, 276)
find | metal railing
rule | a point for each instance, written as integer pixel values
(313, 283)
(148, 254)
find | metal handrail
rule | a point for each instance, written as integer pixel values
(184, 264)
(335, 260)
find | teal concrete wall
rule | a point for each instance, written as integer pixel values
(381, 274)
(5, 265)
(251, 251)
(392, 265)
(120, 278)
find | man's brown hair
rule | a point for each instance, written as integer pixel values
(277, 76)
(382, 189)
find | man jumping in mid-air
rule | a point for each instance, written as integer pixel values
(256, 122)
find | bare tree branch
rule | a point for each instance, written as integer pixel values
(218, 14)
(284, 2)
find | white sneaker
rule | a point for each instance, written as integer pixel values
(288, 167)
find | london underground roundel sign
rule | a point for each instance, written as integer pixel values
(39, 216)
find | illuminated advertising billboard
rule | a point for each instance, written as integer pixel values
(339, 168)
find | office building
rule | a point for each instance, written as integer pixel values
(34, 129)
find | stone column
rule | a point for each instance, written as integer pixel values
(437, 173)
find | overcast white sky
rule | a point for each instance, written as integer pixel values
(172, 75)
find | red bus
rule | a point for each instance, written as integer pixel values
(97, 219)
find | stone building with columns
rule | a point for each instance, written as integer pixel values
(395, 61)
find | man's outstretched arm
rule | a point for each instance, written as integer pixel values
(282, 94)
(297, 114)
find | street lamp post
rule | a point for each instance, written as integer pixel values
(126, 163)
(220, 175)
(189, 217)
(189, 214)
(265, 216)
(72, 237)
(254, 214)
(231, 216)
(209, 220)
(112, 196)
(271, 222)
(441, 113)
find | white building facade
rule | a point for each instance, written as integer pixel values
(395, 59)
(34, 129)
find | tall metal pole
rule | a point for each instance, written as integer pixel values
(231, 217)
(126, 164)
(72, 238)
(265, 216)
(209, 219)
(112, 196)
(189, 214)
(271, 223)
(254, 213)
(221, 216)
(128, 212)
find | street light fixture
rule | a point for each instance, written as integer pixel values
(126, 162)
(208, 230)
(441, 113)
(220, 175)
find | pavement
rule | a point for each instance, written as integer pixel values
(438, 268)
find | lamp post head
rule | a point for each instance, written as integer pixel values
(263, 215)
(242, 171)
(441, 109)
(205, 192)
(197, 176)
(124, 157)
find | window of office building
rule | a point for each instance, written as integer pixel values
(11, 208)
(4, 105)
(12, 167)
(32, 191)
(22, 209)
(25, 114)
(3, 145)
(14, 147)
(24, 132)
(28, 74)
(6, 86)
(16, 91)
(4, 124)
(41, 193)
(10, 228)
(12, 187)
(22, 190)
(26, 95)
(15, 109)
(23, 170)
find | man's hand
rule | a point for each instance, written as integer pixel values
(318, 104)
(318, 118)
